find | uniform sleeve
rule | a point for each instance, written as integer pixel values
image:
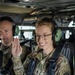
(63, 67)
(19, 68)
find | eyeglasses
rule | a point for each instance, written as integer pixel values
(45, 36)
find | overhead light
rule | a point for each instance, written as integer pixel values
(25, 0)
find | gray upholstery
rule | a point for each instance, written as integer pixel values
(67, 51)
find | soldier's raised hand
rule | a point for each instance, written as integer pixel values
(16, 48)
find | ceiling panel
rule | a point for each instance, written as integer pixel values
(13, 9)
(34, 7)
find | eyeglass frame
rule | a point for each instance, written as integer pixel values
(44, 36)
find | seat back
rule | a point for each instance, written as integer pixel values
(67, 51)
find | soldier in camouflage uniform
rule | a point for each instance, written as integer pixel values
(44, 32)
(6, 35)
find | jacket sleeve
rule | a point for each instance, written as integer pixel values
(18, 67)
(63, 67)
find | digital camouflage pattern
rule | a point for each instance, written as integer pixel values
(62, 67)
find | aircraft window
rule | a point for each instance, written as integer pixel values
(26, 32)
(28, 35)
(26, 27)
(71, 24)
(68, 33)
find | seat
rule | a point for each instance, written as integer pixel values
(67, 51)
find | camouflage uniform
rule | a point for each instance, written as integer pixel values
(62, 66)
(7, 55)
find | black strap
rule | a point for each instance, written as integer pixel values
(1, 59)
(8, 65)
(6, 69)
(32, 64)
(53, 59)
(31, 67)
(51, 64)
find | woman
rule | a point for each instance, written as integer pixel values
(37, 62)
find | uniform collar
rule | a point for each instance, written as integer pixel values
(41, 55)
(5, 49)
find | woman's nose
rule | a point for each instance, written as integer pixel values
(41, 38)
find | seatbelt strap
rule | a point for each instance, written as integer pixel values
(51, 63)
(31, 67)
(6, 69)
(54, 58)
(1, 59)
(32, 64)
(8, 65)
